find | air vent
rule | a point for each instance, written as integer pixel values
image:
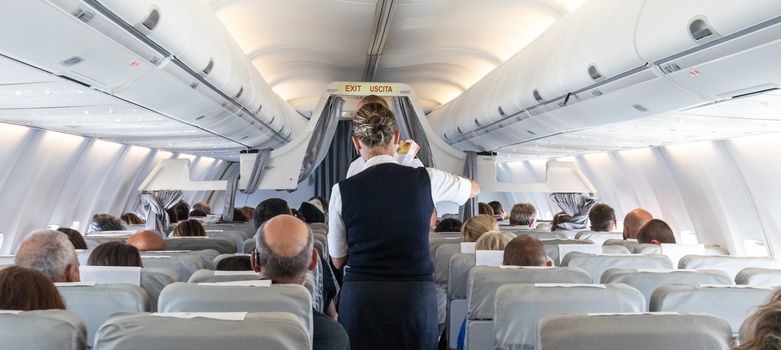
(640, 108)
(72, 61)
(245, 137)
(594, 73)
(537, 96)
(531, 132)
(84, 15)
(699, 29)
(152, 19)
(501, 112)
(209, 66)
(241, 91)
(201, 117)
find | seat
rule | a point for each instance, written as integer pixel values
(434, 243)
(535, 233)
(519, 307)
(730, 303)
(319, 227)
(458, 274)
(323, 241)
(184, 265)
(247, 228)
(42, 330)
(596, 265)
(755, 276)
(729, 264)
(188, 243)
(95, 303)
(94, 240)
(599, 238)
(630, 244)
(485, 280)
(441, 270)
(267, 330)
(646, 331)
(153, 281)
(189, 297)
(219, 258)
(236, 237)
(206, 256)
(7, 260)
(249, 245)
(212, 276)
(647, 281)
(552, 249)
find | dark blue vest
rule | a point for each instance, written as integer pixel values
(387, 210)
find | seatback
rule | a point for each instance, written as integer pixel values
(237, 237)
(319, 227)
(599, 238)
(630, 244)
(755, 276)
(596, 265)
(552, 249)
(212, 276)
(519, 307)
(647, 281)
(185, 264)
(94, 240)
(634, 331)
(249, 245)
(442, 261)
(729, 264)
(223, 256)
(188, 243)
(95, 303)
(435, 242)
(153, 281)
(730, 303)
(538, 234)
(266, 330)
(458, 276)
(188, 297)
(42, 330)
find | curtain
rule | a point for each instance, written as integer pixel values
(469, 209)
(262, 157)
(575, 205)
(340, 154)
(230, 198)
(411, 129)
(155, 203)
(322, 135)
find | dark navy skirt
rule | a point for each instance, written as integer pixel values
(389, 314)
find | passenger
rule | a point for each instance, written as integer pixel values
(51, 253)
(202, 206)
(181, 210)
(132, 219)
(493, 240)
(189, 228)
(602, 218)
(525, 250)
(171, 215)
(284, 252)
(484, 209)
(476, 226)
(147, 241)
(115, 254)
(762, 330)
(238, 215)
(247, 212)
(268, 209)
(234, 263)
(656, 232)
(197, 213)
(633, 221)
(75, 237)
(26, 290)
(559, 218)
(320, 203)
(311, 213)
(297, 214)
(499, 213)
(388, 299)
(449, 225)
(105, 222)
(523, 215)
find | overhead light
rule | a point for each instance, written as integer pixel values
(18, 93)
(117, 120)
(86, 112)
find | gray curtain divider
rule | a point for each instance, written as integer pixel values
(155, 203)
(575, 205)
(340, 154)
(262, 157)
(321, 136)
(230, 197)
(469, 209)
(411, 129)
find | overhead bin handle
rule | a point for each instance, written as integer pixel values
(209, 66)
(593, 72)
(152, 19)
(699, 29)
(537, 96)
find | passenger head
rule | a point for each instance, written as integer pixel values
(633, 221)
(147, 240)
(26, 289)
(371, 99)
(238, 215)
(268, 209)
(202, 206)
(493, 240)
(602, 217)
(523, 214)
(320, 203)
(656, 231)
(75, 237)
(105, 222)
(311, 213)
(375, 131)
(284, 250)
(247, 212)
(51, 253)
(762, 330)
(189, 228)
(132, 219)
(496, 206)
(171, 215)
(197, 213)
(477, 225)
(182, 210)
(115, 254)
(449, 225)
(484, 209)
(525, 250)
(559, 218)
(234, 263)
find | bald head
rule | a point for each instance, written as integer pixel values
(284, 249)
(634, 220)
(525, 250)
(147, 240)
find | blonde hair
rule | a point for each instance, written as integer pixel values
(762, 330)
(375, 125)
(493, 240)
(477, 226)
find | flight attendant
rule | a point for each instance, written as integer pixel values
(378, 234)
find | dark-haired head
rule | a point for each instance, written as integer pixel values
(115, 254)
(75, 237)
(106, 222)
(234, 263)
(268, 209)
(26, 289)
(189, 228)
(448, 225)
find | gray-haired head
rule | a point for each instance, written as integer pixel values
(284, 245)
(105, 222)
(51, 253)
(523, 214)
